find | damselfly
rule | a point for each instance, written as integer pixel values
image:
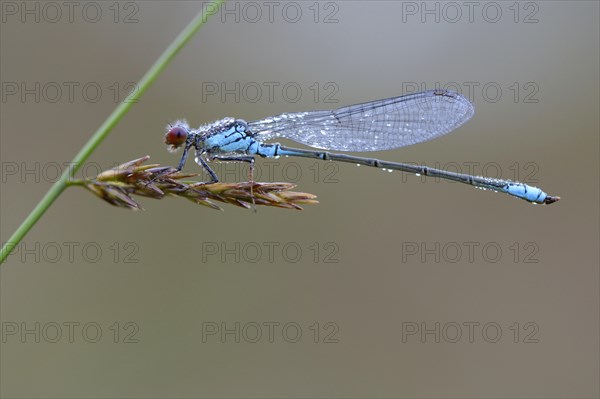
(373, 126)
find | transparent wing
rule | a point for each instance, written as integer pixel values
(372, 126)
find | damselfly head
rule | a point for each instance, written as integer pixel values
(176, 135)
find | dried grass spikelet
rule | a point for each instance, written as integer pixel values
(116, 186)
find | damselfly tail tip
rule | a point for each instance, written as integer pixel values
(550, 199)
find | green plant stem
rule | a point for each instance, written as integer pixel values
(103, 131)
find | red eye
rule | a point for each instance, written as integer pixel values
(176, 136)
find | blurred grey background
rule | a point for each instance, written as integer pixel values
(392, 286)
